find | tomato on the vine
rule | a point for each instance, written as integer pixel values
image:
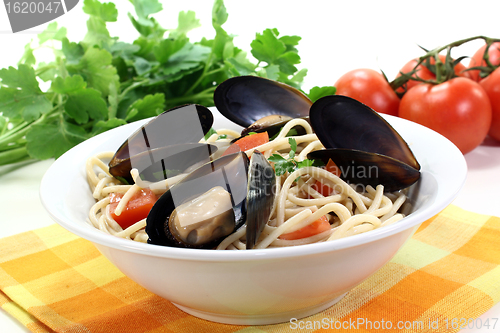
(477, 59)
(459, 109)
(422, 72)
(369, 87)
(491, 84)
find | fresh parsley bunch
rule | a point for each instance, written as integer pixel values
(101, 82)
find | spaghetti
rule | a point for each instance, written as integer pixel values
(298, 202)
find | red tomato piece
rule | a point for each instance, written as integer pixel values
(491, 84)
(459, 109)
(333, 168)
(247, 142)
(477, 60)
(326, 190)
(369, 87)
(137, 207)
(317, 227)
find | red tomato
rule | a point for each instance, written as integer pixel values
(424, 73)
(247, 142)
(477, 59)
(326, 190)
(333, 168)
(369, 87)
(491, 84)
(317, 227)
(137, 207)
(459, 109)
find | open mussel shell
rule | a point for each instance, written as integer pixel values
(363, 168)
(246, 99)
(260, 197)
(343, 122)
(163, 163)
(183, 124)
(201, 228)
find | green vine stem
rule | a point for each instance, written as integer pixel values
(444, 71)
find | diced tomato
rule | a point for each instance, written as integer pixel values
(333, 168)
(247, 142)
(326, 190)
(137, 207)
(317, 227)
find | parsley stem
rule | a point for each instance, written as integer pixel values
(214, 71)
(14, 156)
(43, 69)
(13, 136)
(16, 135)
(129, 88)
(203, 74)
(207, 93)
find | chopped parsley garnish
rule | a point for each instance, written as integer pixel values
(283, 165)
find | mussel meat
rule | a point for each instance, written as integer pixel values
(183, 124)
(273, 125)
(212, 202)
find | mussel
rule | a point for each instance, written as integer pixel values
(245, 100)
(213, 201)
(356, 138)
(150, 143)
(364, 146)
(169, 161)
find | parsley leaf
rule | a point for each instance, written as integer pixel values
(20, 96)
(52, 140)
(82, 103)
(95, 66)
(267, 47)
(149, 106)
(105, 11)
(52, 33)
(317, 92)
(210, 132)
(283, 165)
(102, 82)
(187, 22)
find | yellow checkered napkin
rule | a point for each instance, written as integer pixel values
(444, 277)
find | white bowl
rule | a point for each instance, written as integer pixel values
(254, 287)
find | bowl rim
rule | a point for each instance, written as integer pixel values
(442, 199)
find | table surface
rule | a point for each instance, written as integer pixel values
(19, 186)
(339, 37)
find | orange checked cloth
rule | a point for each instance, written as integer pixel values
(443, 278)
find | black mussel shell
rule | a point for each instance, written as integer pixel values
(260, 196)
(166, 162)
(343, 122)
(183, 124)
(245, 99)
(230, 172)
(363, 168)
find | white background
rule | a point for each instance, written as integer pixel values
(337, 36)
